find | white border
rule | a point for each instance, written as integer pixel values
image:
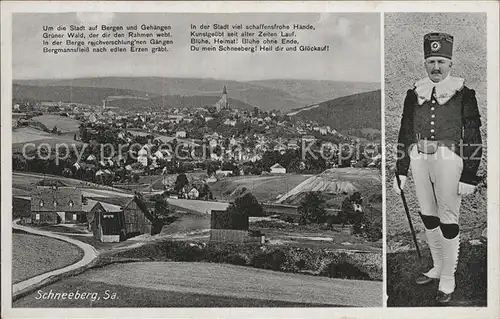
(491, 7)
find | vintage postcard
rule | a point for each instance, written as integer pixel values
(212, 159)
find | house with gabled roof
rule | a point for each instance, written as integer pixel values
(278, 169)
(56, 205)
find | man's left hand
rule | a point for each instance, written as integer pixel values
(465, 189)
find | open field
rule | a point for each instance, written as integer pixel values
(199, 206)
(28, 134)
(187, 222)
(25, 182)
(23, 135)
(34, 255)
(151, 284)
(63, 123)
(264, 188)
(319, 239)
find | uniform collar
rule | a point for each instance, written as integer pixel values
(445, 89)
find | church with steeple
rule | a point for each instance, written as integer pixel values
(223, 103)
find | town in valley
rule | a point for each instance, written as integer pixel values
(130, 172)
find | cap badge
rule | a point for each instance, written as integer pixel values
(435, 46)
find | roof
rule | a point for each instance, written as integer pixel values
(277, 165)
(107, 207)
(51, 199)
(89, 205)
(143, 205)
(116, 201)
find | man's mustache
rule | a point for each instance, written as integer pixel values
(436, 72)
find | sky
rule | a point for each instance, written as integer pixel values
(354, 55)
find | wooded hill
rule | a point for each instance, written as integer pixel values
(357, 111)
(267, 95)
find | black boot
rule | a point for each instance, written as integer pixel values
(443, 298)
(424, 280)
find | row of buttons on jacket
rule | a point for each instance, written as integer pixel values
(433, 101)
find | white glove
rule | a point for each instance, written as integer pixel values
(402, 178)
(465, 189)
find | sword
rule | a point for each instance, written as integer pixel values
(407, 210)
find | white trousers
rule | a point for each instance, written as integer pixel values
(436, 179)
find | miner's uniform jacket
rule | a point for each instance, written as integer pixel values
(454, 124)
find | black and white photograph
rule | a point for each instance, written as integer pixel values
(436, 159)
(250, 159)
(197, 160)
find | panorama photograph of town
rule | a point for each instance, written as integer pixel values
(198, 179)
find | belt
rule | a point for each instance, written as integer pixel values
(430, 147)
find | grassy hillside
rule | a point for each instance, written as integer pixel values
(64, 124)
(310, 91)
(183, 284)
(357, 111)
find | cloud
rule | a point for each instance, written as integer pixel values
(91, 18)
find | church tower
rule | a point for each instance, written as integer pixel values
(223, 103)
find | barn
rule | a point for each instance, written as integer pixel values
(105, 221)
(56, 205)
(116, 219)
(227, 226)
(137, 217)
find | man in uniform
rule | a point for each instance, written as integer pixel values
(440, 140)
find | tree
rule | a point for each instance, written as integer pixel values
(312, 209)
(180, 182)
(248, 205)
(211, 168)
(205, 192)
(163, 211)
(136, 178)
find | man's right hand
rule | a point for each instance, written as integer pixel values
(395, 186)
